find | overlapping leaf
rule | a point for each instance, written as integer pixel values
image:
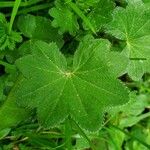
(101, 14)
(133, 25)
(115, 58)
(64, 18)
(83, 92)
(7, 40)
(39, 28)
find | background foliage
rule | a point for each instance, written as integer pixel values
(106, 40)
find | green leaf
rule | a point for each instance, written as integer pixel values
(4, 132)
(81, 15)
(85, 5)
(136, 106)
(122, 109)
(132, 120)
(2, 18)
(40, 141)
(81, 143)
(134, 136)
(64, 18)
(39, 28)
(8, 40)
(24, 49)
(133, 26)
(83, 92)
(146, 1)
(10, 113)
(142, 133)
(116, 138)
(114, 58)
(134, 2)
(101, 14)
(2, 79)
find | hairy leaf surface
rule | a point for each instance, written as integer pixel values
(83, 91)
(133, 25)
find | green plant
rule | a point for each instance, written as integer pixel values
(74, 74)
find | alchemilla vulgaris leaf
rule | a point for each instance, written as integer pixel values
(64, 18)
(39, 29)
(133, 26)
(82, 91)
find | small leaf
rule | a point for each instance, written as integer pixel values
(64, 18)
(8, 40)
(4, 133)
(39, 28)
(132, 120)
(116, 138)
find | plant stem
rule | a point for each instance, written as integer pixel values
(144, 116)
(81, 15)
(68, 134)
(13, 15)
(32, 9)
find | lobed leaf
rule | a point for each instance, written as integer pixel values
(64, 18)
(83, 92)
(133, 26)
